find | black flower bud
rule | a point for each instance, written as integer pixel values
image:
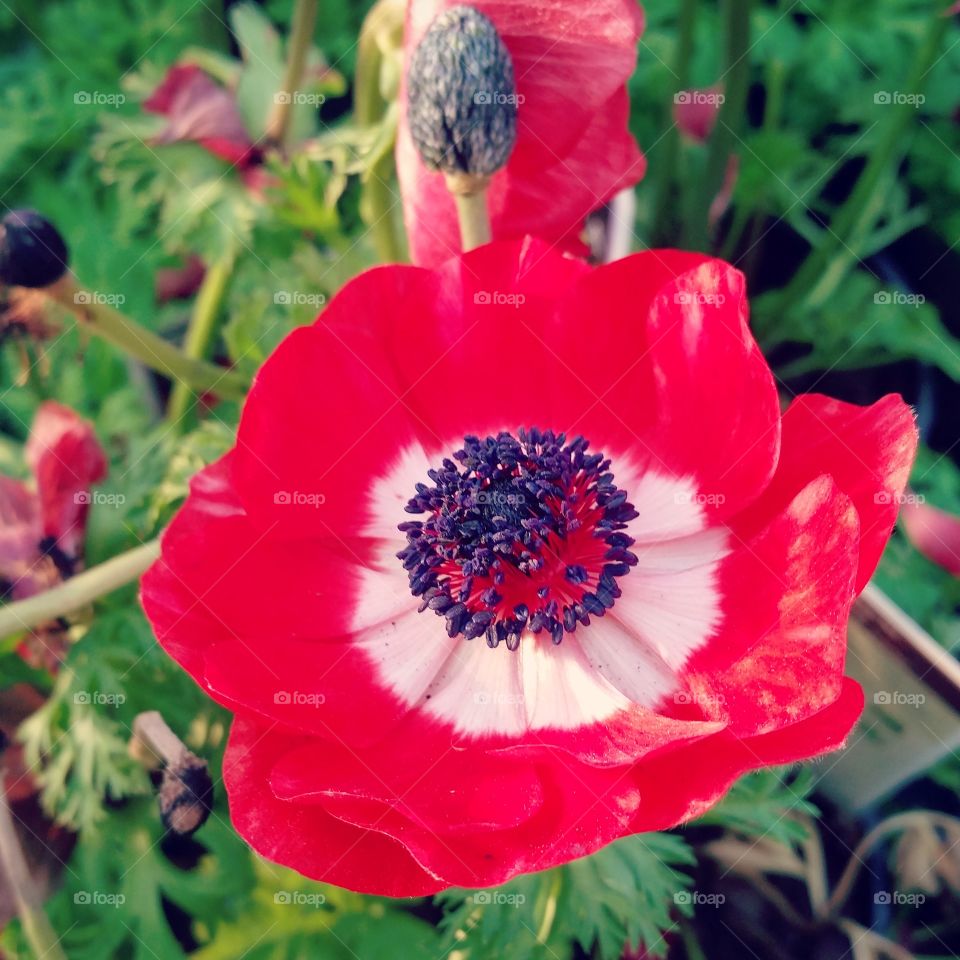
(461, 95)
(32, 252)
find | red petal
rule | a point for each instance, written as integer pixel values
(604, 161)
(419, 776)
(684, 784)
(326, 413)
(867, 450)
(303, 836)
(686, 388)
(595, 807)
(252, 618)
(778, 656)
(687, 391)
(329, 689)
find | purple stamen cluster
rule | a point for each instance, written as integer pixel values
(501, 500)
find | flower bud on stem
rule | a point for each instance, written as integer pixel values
(186, 793)
(34, 255)
(32, 252)
(462, 110)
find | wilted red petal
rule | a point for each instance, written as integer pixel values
(20, 529)
(199, 109)
(66, 459)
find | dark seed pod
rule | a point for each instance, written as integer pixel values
(186, 795)
(461, 95)
(32, 252)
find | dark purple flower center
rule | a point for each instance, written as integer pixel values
(522, 533)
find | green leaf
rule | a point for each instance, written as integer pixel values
(14, 670)
(760, 804)
(76, 743)
(624, 897)
(287, 917)
(120, 882)
(264, 69)
(863, 325)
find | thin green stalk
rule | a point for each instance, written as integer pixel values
(150, 349)
(213, 20)
(776, 82)
(730, 121)
(667, 165)
(382, 29)
(77, 592)
(377, 209)
(203, 324)
(369, 103)
(549, 902)
(37, 930)
(745, 214)
(298, 46)
(690, 942)
(828, 263)
(473, 217)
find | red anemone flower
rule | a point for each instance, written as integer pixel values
(515, 557)
(573, 150)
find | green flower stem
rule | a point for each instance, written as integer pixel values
(549, 898)
(77, 592)
(37, 930)
(746, 213)
(378, 207)
(369, 103)
(776, 82)
(828, 263)
(203, 324)
(298, 46)
(690, 942)
(726, 133)
(382, 30)
(666, 167)
(144, 345)
(472, 213)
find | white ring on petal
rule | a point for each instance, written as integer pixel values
(669, 608)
